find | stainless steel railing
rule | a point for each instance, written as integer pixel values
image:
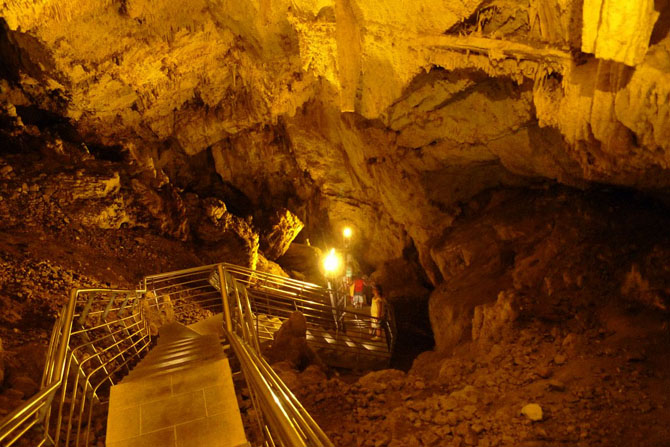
(102, 333)
(331, 325)
(95, 341)
(282, 419)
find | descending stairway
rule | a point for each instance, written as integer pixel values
(180, 395)
(181, 392)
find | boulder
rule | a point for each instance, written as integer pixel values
(284, 227)
(224, 235)
(287, 374)
(467, 394)
(267, 266)
(290, 344)
(24, 384)
(160, 315)
(313, 374)
(532, 412)
(490, 319)
(164, 209)
(378, 379)
(30, 359)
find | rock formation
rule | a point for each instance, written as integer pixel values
(374, 113)
(290, 344)
(285, 226)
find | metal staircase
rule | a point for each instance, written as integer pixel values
(105, 340)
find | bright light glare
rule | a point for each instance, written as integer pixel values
(332, 262)
(347, 232)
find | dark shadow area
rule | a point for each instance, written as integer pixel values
(662, 28)
(109, 153)
(414, 332)
(20, 52)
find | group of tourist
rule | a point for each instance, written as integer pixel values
(357, 289)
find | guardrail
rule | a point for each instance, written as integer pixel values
(96, 339)
(330, 323)
(283, 420)
(102, 333)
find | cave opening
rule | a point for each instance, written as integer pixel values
(504, 186)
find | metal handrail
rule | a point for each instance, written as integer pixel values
(60, 357)
(108, 329)
(289, 424)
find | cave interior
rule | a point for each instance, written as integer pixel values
(503, 167)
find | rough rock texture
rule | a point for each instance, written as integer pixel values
(157, 313)
(618, 31)
(490, 319)
(546, 383)
(285, 226)
(2, 364)
(303, 262)
(140, 135)
(69, 219)
(546, 254)
(379, 115)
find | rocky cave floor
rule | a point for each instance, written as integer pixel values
(591, 353)
(592, 386)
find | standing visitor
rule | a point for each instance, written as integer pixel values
(376, 312)
(357, 289)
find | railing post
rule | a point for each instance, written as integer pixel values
(224, 297)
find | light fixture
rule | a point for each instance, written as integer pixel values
(331, 263)
(347, 232)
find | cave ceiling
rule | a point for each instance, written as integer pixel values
(381, 114)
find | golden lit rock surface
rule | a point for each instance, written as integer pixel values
(618, 30)
(382, 114)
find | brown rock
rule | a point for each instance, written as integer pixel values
(305, 259)
(490, 319)
(266, 266)
(284, 227)
(379, 379)
(556, 385)
(13, 394)
(532, 412)
(544, 371)
(448, 403)
(466, 394)
(288, 375)
(31, 358)
(313, 374)
(290, 344)
(24, 384)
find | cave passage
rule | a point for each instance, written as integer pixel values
(479, 192)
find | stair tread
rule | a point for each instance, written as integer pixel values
(175, 331)
(181, 391)
(177, 354)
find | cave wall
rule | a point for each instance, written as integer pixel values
(386, 116)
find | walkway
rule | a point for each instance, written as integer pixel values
(180, 395)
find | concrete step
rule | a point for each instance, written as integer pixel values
(177, 355)
(209, 326)
(180, 395)
(175, 331)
